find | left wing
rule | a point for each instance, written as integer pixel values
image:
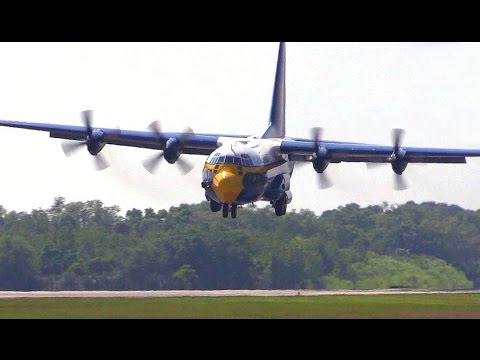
(336, 152)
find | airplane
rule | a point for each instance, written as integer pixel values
(244, 169)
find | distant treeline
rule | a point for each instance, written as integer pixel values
(89, 246)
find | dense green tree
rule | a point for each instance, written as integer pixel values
(185, 277)
(87, 245)
(17, 270)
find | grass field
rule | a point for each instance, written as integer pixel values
(364, 306)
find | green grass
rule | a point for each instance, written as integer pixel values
(362, 306)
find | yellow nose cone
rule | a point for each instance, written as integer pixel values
(227, 184)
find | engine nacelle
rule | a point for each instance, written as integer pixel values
(399, 166)
(320, 164)
(95, 141)
(171, 156)
(322, 160)
(172, 150)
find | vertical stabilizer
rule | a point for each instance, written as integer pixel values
(276, 127)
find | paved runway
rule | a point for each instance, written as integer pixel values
(215, 293)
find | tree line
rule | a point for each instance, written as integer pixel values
(90, 246)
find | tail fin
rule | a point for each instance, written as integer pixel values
(276, 127)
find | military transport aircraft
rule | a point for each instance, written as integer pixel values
(242, 169)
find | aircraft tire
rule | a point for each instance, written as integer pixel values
(214, 206)
(281, 207)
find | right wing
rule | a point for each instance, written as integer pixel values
(197, 144)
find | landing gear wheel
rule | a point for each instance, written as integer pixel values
(281, 207)
(225, 211)
(214, 206)
(234, 211)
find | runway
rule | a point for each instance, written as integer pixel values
(218, 293)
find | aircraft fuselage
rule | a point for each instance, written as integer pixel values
(243, 171)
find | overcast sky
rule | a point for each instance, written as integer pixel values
(356, 91)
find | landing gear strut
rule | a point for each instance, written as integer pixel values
(232, 209)
(281, 206)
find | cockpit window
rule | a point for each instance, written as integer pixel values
(246, 160)
(213, 158)
(232, 160)
(243, 160)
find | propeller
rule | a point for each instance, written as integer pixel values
(185, 165)
(316, 133)
(172, 151)
(324, 181)
(92, 143)
(397, 139)
(375, 166)
(151, 164)
(399, 181)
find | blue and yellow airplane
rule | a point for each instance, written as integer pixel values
(242, 169)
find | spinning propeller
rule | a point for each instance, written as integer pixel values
(93, 141)
(397, 161)
(321, 162)
(171, 152)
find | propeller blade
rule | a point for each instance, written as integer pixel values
(187, 133)
(375, 165)
(188, 130)
(324, 181)
(117, 131)
(100, 162)
(151, 164)
(399, 183)
(185, 165)
(397, 138)
(87, 120)
(155, 127)
(71, 147)
(317, 133)
(302, 164)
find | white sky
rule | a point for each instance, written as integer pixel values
(356, 91)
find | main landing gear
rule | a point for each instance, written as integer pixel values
(280, 206)
(214, 206)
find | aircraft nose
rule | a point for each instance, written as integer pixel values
(227, 184)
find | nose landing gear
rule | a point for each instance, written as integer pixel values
(232, 209)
